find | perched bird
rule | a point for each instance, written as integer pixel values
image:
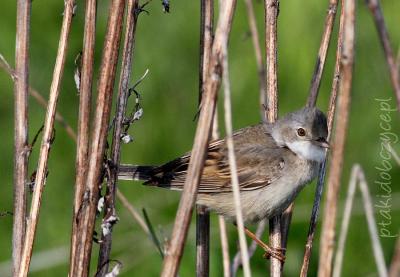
(274, 162)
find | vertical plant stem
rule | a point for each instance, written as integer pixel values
(322, 170)
(335, 172)
(257, 51)
(203, 216)
(202, 241)
(21, 151)
(394, 269)
(376, 11)
(179, 233)
(87, 214)
(322, 53)
(232, 159)
(271, 20)
(224, 246)
(41, 172)
(313, 94)
(123, 94)
(85, 97)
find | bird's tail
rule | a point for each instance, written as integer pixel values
(135, 172)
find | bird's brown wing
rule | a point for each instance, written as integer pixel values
(259, 162)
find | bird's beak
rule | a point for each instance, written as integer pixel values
(322, 142)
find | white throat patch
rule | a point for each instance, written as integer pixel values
(307, 150)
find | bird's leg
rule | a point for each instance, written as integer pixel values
(269, 251)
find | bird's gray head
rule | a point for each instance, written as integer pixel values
(304, 132)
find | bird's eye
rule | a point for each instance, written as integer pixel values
(301, 132)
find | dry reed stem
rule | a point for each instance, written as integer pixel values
(179, 233)
(322, 53)
(335, 172)
(41, 172)
(271, 16)
(21, 149)
(257, 51)
(123, 94)
(376, 11)
(87, 214)
(202, 215)
(224, 246)
(202, 241)
(85, 96)
(322, 170)
(358, 176)
(394, 269)
(232, 160)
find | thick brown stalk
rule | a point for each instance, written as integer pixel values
(41, 172)
(322, 53)
(271, 24)
(85, 96)
(202, 241)
(257, 51)
(123, 94)
(375, 8)
(87, 215)
(203, 216)
(179, 233)
(21, 149)
(335, 172)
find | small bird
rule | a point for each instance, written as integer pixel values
(274, 162)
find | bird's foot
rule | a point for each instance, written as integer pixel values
(277, 253)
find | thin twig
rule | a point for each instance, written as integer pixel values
(335, 172)
(224, 246)
(179, 233)
(232, 161)
(237, 261)
(271, 22)
(345, 222)
(85, 97)
(38, 97)
(313, 94)
(257, 51)
(123, 94)
(357, 175)
(376, 11)
(88, 207)
(41, 172)
(203, 216)
(322, 169)
(135, 214)
(322, 53)
(21, 88)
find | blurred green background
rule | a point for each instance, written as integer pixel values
(168, 45)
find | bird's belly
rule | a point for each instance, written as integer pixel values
(261, 203)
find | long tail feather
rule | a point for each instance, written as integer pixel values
(135, 172)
